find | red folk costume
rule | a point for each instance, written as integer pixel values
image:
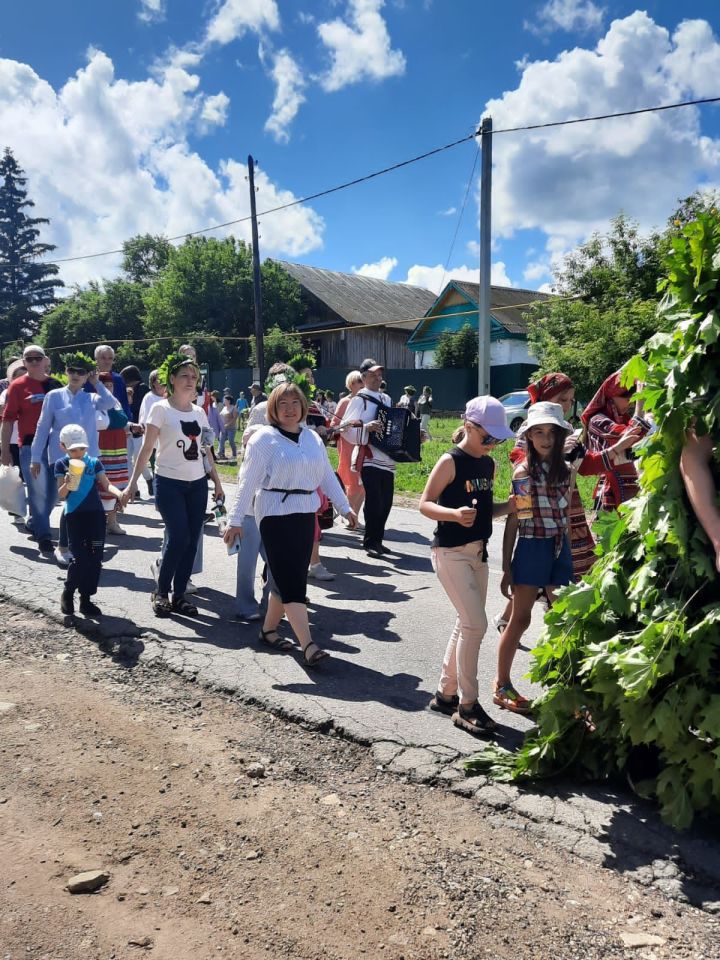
(605, 425)
(582, 543)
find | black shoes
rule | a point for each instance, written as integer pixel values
(45, 546)
(376, 550)
(67, 605)
(89, 609)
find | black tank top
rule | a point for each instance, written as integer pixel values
(473, 481)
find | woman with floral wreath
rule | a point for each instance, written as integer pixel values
(174, 426)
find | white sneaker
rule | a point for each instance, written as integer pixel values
(114, 527)
(318, 572)
(499, 622)
(191, 587)
(63, 557)
(17, 519)
(155, 570)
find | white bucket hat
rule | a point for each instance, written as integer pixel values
(545, 412)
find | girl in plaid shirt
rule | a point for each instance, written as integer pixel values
(542, 557)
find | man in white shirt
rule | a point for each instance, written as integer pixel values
(378, 469)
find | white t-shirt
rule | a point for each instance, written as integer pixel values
(360, 408)
(178, 446)
(146, 405)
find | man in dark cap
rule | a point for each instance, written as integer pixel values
(256, 394)
(378, 469)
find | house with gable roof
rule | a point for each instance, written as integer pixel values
(511, 363)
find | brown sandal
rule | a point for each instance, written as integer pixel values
(313, 659)
(474, 721)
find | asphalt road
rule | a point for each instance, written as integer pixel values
(386, 624)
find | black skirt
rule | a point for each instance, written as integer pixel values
(288, 543)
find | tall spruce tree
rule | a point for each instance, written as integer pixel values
(27, 286)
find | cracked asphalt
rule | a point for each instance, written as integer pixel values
(386, 624)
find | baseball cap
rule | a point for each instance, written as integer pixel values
(545, 412)
(33, 348)
(255, 386)
(73, 435)
(488, 413)
(370, 365)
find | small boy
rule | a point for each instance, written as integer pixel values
(85, 520)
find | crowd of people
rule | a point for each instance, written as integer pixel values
(89, 441)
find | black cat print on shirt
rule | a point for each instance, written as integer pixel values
(190, 429)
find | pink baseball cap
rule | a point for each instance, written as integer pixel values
(488, 413)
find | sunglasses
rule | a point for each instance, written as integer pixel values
(80, 371)
(33, 359)
(487, 440)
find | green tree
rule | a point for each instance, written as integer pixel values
(457, 351)
(207, 286)
(144, 257)
(279, 345)
(589, 342)
(615, 278)
(98, 314)
(27, 286)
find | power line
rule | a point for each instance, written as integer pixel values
(459, 219)
(390, 169)
(318, 333)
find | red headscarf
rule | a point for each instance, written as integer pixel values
(549, 387)
(600, 403)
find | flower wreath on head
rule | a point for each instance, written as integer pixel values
(78, 359)
(287, 376)
(170, 367)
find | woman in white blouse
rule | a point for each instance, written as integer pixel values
(284, 465)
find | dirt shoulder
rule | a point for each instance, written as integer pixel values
(227, 831)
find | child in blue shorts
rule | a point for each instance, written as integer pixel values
(542, 557)
(85, 517)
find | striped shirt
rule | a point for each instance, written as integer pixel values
(273, 465)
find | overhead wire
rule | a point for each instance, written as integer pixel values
(459, 219)
(389, 169)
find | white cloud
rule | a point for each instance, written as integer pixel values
(151, 11)
(436, 278)
(360, 49)
(107, 158)
(380, 270)
(473, 248)
(235, 17)
(569, 15)
(289, 96)
(569, 181)
(447, 213)
(214, 111)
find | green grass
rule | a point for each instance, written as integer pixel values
(410, 478)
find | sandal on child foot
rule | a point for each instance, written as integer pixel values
(442, 704)
(182, 605)
(273, 639)
(474, 720)
(507, 698)
(312, 659)
(161, 605)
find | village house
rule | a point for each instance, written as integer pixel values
(350, 317)
(511, 363)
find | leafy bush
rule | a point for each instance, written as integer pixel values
(630, 656)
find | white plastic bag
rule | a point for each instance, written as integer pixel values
(12, 491)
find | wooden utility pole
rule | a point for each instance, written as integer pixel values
(484, 302)
(257, 289)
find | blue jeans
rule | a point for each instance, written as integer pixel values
(250, 546)
(182, 506)
(42, 494)
(228, 435)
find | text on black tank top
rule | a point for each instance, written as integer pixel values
(473, 481)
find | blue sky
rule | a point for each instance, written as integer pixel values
(139, 115)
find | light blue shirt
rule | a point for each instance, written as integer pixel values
(61, 407)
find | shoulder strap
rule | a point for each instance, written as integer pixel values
(367, 396)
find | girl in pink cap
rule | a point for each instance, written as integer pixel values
(459, 496)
